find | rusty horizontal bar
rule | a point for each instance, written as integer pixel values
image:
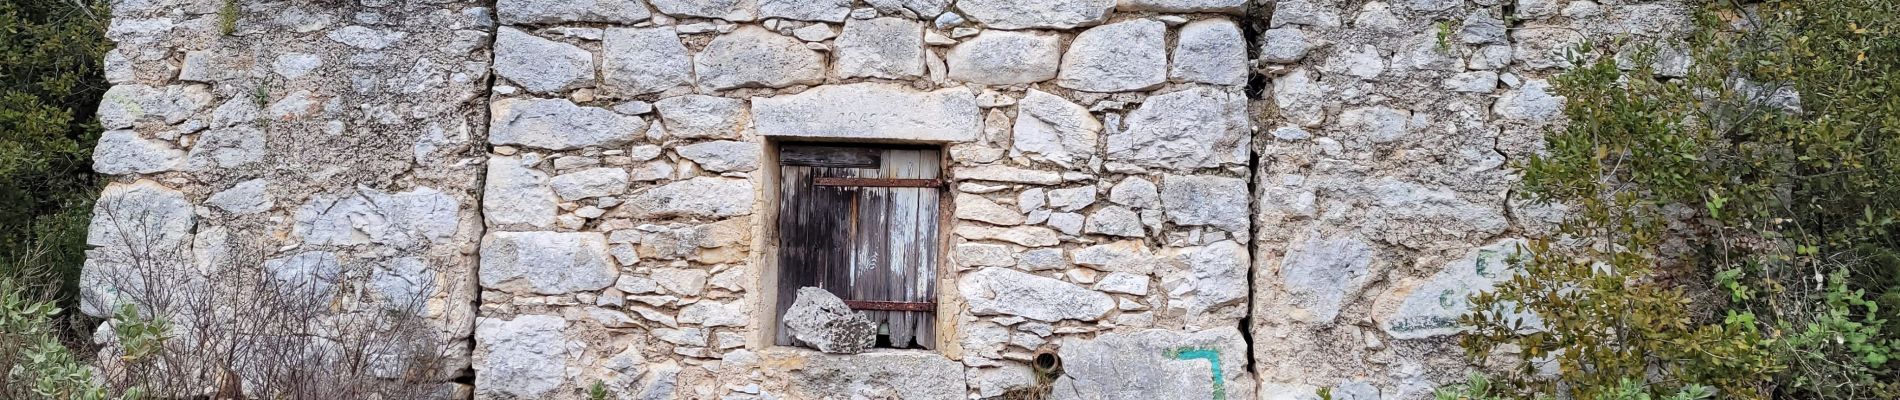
(891, 305)
(878, 182)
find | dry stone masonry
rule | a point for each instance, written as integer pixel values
(1192, 199)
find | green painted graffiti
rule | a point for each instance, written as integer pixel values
(1213, 361)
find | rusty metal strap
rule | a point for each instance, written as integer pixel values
(878, 182)
(891, 305)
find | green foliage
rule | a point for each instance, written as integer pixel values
(597, 391)
(32, 360)
(1769, 177)
(50, 84)
(1478, 387)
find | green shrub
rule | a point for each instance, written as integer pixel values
(51, 81)
(1732, 229)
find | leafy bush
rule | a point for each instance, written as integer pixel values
(1732, 228)
(51, 81)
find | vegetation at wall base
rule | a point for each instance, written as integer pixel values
(51, 81)
(1732, 228)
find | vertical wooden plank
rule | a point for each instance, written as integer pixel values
(794, 258)
(923, 279)
(903, 245)
(814, 234)
(867, 247)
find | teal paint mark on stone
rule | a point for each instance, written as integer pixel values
(1213, 361)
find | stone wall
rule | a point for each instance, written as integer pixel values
(1119, 193)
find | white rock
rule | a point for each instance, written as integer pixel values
(1218, 279)
(978, 208)
(1115, 221)
(806, 10)
(820, 320)
(1363, 62)
(1003, 291)
(1053, 129)
(815, 32)
(1301, 98)
(700, 116)
(1004, 173)
(1379, 124)
(512, 357)
(871, 111)
(924, 9)
(123, 152)
(515, 194)
(558, 124)
(123, 105)
(1071, 199)
(918, 375)
(1059, 14)
(1098, 367)
(754, 57)
(295, 65)
(635, 61)
(520, 12)
(226, 148)
(890, 48)
(984, 255)
(1124, 256)
(1042, 260)
(1118, 57)
(1184, 6)
(546, 262)
(706, 197)
(589, 183)
(419, 216)
(1284, 45)
(1321, 274)
(308, 276)
(1192, 200)
(1432, 308)
(541, 65)
(366, 38)
(1472, 82)
(1123, 282)
(1537, 9)
(1304, 12)
(1200, 127)
(723, 155)
(1066, 222)
(730, 10)
(1135, 192)
(681, 281)
(247, 197)
(713, 314)
(1000, 57)
(1211, 51)
(1533, 105)
(1030, 236)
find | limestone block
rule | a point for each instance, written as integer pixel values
(700, 116)
(820, 320)
(978, 208)
(806, 10)
(730, 10)
(419, 216)
(1031, 236)
(1218, 279)
(520, 357)
(871, 111)
(924, 9)
(124, 152)
(700, 197)
(890, 48)
(1115, 221)
(1044, 259)
(1004, 173)
(366, 38)
(1301, 98)
(546, 262)
(1378, 124)
(1058, 14)
(1184, 6)
(123, 105)
(226, 148)
(589, 183)
(1004, 291)
(754, 57)
(636, 61)
(1210, 51)
(1321, 274)
(1200, 127)
(247, 197)
(558, 124)
(1051, 128)
(1284, 45)
(1155, 364)
(516, 194)
(1432, 308)
(872, 375)
(1123, 282)
(1206, 201)
(1123, 256)
(1533, 105)
(517, 12)
(983, 255)
(307, 277)
(713, 314)
(129, 222)
(723, 155)
(1000, 57)
(1135, 192)
(541, 65)
(1118, 57)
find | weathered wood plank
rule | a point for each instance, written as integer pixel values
(890, 305)
(924, 278)
(881, 182)
(829, 156)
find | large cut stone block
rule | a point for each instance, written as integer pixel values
(546, 262)
(1156, 364)
(1003, 291)
(1118, 57)
(541, 65)
(1201, 127)
(999, 57)
(520, 358)
(559, 124)
(755, 57)
(1018, 14)
(635, 61)
(871, 111)
(515, 12)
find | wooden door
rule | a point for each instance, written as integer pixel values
(861, 222)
